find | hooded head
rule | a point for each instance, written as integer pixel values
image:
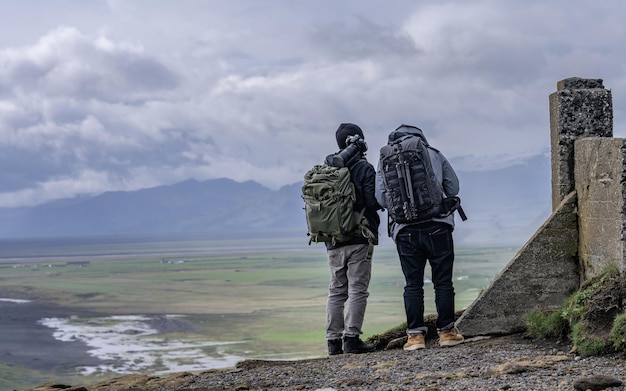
(345, 130)
(406, 130)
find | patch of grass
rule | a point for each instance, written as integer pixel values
(618, 333)
(587, 314)
(12, 378)
(588, 345)
(547, 325)
(382, 339)
(20, 378)
(576, 306)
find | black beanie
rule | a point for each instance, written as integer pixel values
(345, 130)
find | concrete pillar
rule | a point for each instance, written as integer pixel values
(579, 108)
(600, 176)
(587, 225)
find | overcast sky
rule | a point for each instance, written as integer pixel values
(119, 95)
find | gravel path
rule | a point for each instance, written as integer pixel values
(504, 363)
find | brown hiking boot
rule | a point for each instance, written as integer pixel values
(450, 338)
(414, 342)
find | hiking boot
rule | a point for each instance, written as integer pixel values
(334, 347)
(450, 338)
(415, 342)
(355, 345)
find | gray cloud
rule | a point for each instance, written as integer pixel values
(66, 63)
(362, 39)
(92, 100)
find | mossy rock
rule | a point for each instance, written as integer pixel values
(588, 342)
(589, 317)
(592, 310)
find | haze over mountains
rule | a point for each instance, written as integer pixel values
(504, 206)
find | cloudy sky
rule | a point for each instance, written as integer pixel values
(119, 95)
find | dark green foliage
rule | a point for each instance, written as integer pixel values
(547, 325)
(576, 307)
(587, 343)
(618, 333)
(589, 314)
(382, 340)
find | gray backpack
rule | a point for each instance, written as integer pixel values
(413, 193)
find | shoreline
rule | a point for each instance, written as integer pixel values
(66, 343)
(25, 342)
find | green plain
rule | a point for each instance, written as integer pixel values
(271, 297)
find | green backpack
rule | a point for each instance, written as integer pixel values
(329, 199)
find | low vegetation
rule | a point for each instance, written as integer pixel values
(547, 324)
(618, 333)
(592, 318)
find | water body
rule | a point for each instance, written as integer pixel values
(26, 342)
(134, 343)
(59, 344)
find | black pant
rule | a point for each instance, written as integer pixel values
(417, 244)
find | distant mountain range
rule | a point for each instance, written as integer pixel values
(504, 207)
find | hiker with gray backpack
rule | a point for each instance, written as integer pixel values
(342, 212)
(418, 187)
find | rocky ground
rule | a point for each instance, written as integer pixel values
(503, 363)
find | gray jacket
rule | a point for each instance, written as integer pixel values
(443, 171)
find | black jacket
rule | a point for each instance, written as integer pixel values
(363, 175)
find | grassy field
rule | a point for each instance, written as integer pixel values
(272, 297)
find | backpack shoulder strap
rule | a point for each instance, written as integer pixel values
(354, 163)
(433, 148)
(362, 226)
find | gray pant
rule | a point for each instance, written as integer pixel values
(350, 272)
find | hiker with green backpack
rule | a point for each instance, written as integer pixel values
(342, 212)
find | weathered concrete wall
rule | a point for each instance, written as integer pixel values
(548, 268)
(579, 108)
(542, 275)
(600, 179)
